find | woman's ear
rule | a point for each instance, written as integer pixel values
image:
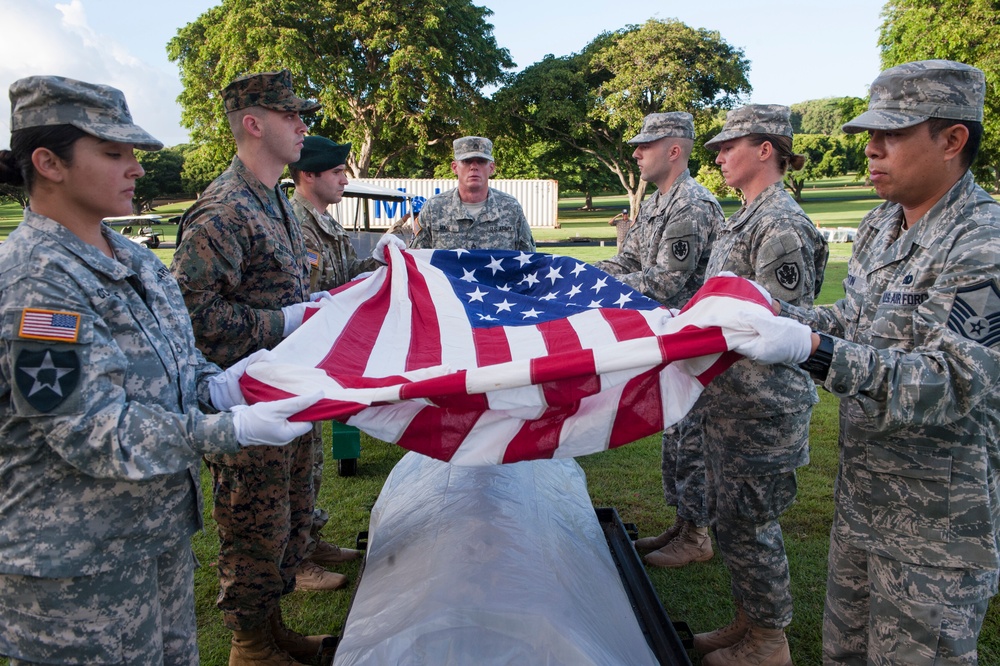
(48, 165)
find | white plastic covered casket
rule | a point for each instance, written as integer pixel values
(503, 564)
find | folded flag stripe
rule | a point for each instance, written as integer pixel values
(484, 357)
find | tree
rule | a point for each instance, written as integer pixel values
(826, 156)
(927, 29)
(11, 194)
(822, 116)
(594, 101)
(163, 177)
(393, 75)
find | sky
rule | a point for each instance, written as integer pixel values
(798, 49)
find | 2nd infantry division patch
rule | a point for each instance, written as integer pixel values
(976, 313)
(46, 377)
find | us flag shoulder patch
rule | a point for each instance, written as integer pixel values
(313, 258)
(50, 325)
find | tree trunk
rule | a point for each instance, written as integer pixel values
(588, 201)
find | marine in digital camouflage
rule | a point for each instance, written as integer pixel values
(99, 110)
(332, 259)
(270, 90)
(757, 416)
(920, 435)
(102, 435)
(667, 248)
(446, 224)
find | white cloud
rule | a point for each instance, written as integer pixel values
(48, 38)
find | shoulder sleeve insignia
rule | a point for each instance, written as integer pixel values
(975, 313)
(313, 258)
(49, 325)
(46, 377)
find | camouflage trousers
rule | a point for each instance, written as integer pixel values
(319, 517)
(135, 613)
(682, 469)
(750, 482)
(263, 508)
(883, 612)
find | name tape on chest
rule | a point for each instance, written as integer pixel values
(51, 325)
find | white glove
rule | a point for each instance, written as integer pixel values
(378, 254)
(318, 296)
(224, 388)
(778, 339)
(267, 424)
(362, 276)
(295, 313)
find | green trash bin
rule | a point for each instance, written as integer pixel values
(345, 447)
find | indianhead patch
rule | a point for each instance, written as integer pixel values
(46, 377)
(51, 325)
(788, 275)
(680, 249)
(976, 313)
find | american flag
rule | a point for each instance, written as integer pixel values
(484, 357)
(49, 325)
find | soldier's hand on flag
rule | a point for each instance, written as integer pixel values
(378, 254)
(267, 424)
(776, 339)
(295, 314)
(224, 387)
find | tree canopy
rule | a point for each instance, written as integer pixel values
(393, 75)
(927, 29)
(594, 101)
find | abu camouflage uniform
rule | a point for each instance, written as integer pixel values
(240, 260)
(916, 365)
(757, 416)
(446, 224)
(664, 256)
(101, 437)
(332, 259)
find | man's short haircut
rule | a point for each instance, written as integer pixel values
(971, 148)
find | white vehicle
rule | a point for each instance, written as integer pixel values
(138, 228)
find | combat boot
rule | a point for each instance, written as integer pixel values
(256, 648)
(312, 576)
(647, 544)
(328, 553)
(759, 647)
(692, 545)
(727, 636)
(299, 646)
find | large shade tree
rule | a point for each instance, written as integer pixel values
(393, 75)
(963, 30)
(594, 101)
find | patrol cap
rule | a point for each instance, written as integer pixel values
(470, 147)
(98, 110)
(659, 125)
(320, 154)
(271, 90)
(909, 94)
(753, 119)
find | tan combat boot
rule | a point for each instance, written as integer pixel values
(647, 544)
(312, 576)
(759, 647)
(692, 545)
(257, 648)
(725, 637)
(299, 646)
(328, 553)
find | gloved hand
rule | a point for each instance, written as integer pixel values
(362, 276)
(295, 313)
(317, 296)
(267, 424)
(378, 254)
(778, 339)
(224, 388)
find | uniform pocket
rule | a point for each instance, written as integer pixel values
(60, 640)
(911, 489)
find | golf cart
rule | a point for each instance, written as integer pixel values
(138, 228)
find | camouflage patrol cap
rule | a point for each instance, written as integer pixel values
(909, 94)
(271, 90)
(98, 110)
(470, 147)
(753, 119)
(320, 154)
(659, 125)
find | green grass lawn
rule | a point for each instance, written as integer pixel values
(627, 478)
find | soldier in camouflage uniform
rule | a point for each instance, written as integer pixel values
(106, 405)
(913, 353)
(473, 215)
(319, 182)
(242, 268)
(757, 416)
(664, 256)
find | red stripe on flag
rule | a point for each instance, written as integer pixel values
(627, 324)
(640, 409)
(351, 350)
(539, 438)
(491, 346)
(438, 432)
(692, 341)
(425, 327)
(567, 374)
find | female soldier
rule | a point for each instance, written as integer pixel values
(101, 392)
(757, 425)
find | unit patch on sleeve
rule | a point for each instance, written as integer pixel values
(788, 275)
(46, 377)
(681, 249)
(51, 325)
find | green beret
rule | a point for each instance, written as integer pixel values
(319, 154)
